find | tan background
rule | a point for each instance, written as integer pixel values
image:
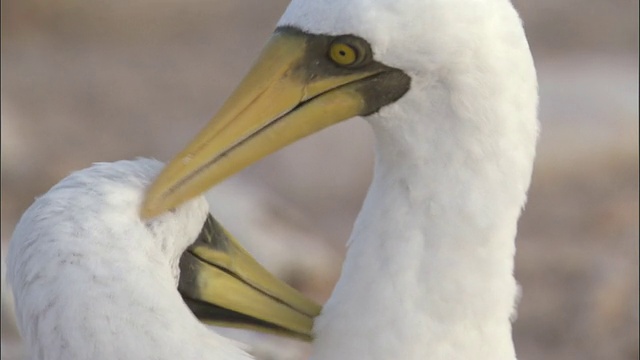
(86, 81)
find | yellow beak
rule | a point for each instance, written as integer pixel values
(292, 91)
(223, 285)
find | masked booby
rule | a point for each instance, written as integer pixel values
(91, 280)
(449, 88)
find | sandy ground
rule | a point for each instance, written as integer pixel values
(101, 81)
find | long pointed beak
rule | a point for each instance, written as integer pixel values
(223, 285)
(292, 91)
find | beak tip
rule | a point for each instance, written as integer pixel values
(147, 213)
(150, 208)
(157, 200)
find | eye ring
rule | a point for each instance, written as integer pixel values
(347, 52)
(343, 54)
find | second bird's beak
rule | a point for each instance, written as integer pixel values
(294, 90)
(223, 285)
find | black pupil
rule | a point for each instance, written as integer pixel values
(343, 53)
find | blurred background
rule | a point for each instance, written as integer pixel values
(87, 81)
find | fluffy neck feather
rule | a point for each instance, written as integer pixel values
(92, 281)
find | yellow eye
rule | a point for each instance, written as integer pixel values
(343, 54)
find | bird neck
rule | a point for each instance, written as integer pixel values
(106, 299)
(429, 269)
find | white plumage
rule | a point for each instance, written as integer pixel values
(429, 269)
(93, 281)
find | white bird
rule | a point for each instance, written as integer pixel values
(450, 90)
(91, 280)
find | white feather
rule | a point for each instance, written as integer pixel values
(93, 281)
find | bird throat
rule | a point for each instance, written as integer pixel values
(429, 269)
